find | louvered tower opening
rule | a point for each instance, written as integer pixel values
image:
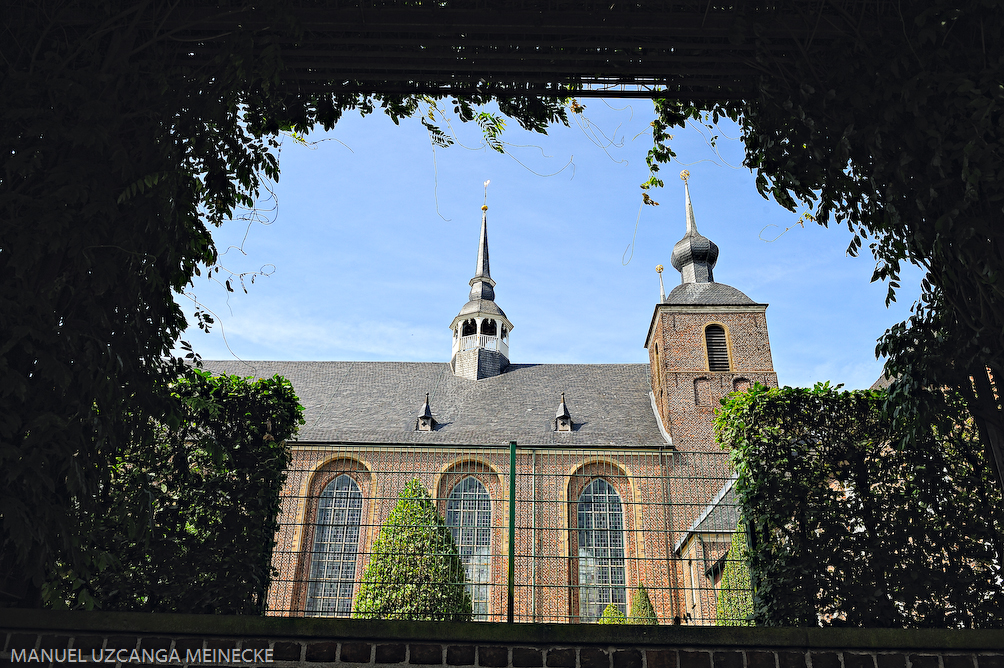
(718, 351)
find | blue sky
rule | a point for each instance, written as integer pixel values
(374, 236)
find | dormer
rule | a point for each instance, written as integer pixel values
(562, 419)
(425, 421)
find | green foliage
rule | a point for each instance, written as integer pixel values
(848, 529)
(612, 615)
(894, 130)
(189, 517)
(119, 154)
(642, 611)
(415, 570)
(735, 601)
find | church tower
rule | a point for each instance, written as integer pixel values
(706, 340)
(481, 329)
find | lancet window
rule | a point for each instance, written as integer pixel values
(600, 550)
(336, 548)
(469, 516)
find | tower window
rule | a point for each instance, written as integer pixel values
(470, 328)
(718, 350)
(488, 327)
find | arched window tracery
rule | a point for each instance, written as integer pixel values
(600, 524)
(469, 516)
(335, 550)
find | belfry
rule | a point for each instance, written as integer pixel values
(481, 329)
(706, 340)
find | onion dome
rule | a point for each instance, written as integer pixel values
(694, 256)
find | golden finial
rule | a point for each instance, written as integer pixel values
(484, 207)
(684, 175)
(659, 268)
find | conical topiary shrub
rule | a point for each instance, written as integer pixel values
(611, 615)
(642, 611)
(415, 570)
(735, 600)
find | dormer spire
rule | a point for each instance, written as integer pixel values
(562, 419)
(694, 256)
(424, 420)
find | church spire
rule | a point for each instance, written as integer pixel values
(481, 329)
(694, 256)
(482, 285)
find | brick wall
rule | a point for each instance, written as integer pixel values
(356, 643)
(686, 392)
(549, 481)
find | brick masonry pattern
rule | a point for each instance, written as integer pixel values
(397, 654)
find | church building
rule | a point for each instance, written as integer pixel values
(618, 480)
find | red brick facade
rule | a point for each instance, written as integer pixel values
(549, 483)
(662, 489)
(686, 391)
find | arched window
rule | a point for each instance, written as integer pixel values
(469, 516)
(489, 328)
(718, 350)
(470, 328)
(336, 546)
(601, 550)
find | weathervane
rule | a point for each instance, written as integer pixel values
(684, 175)
(484, 207)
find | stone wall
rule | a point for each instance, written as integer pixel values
(284, 642)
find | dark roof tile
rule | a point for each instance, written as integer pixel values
(375, 402)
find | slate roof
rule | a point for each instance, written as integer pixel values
(882, 383)
(719, 516)
(717, 294)
(378, 402)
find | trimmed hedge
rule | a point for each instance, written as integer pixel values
(851, 529)
(190, 511)
(612, 615)
(642, 611)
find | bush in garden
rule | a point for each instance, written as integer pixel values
(612, 615)
(415, 570)
(864, 516)
(735, 600)
(642, 611)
